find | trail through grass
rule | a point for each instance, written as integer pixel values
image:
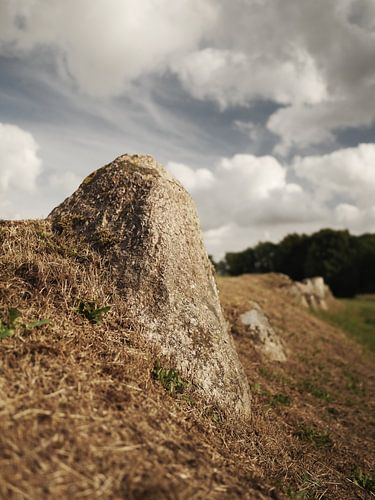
(356, 316)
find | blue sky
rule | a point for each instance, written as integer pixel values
(264, 109)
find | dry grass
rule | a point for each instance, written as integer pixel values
(82, 416)
(325, 431)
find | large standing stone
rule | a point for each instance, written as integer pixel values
(146, 224)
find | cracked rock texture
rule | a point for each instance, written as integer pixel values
(145, 223)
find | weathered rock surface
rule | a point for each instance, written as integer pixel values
(144, 221)
(263, 335)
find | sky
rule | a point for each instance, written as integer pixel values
(263, 109)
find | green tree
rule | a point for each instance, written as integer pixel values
(264, 257)
(332, 254)
(291, 255)
(366, 262)
(240, 262)
(346, 262)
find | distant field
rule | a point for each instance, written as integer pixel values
(356, 316)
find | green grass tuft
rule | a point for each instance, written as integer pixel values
(363, 480)
(169, 379)
(8, 328)
(314, 436)
(280, 399)
(314, 390)
(90, 311)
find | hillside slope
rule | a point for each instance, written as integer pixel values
(323, 395)
(85, 414)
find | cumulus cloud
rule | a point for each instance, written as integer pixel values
(300, 126)
(106, 44)
(20, 164)
(236, 78)
(193, 180)
(314, 58)
(358, 220)
(25, 185)
(348, 173)
(252, 197)
(20, 167)
(246, 190)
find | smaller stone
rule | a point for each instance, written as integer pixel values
(265, 338)
(312, 292)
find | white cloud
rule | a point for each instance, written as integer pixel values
(252, 177)
(19, 161)
(347, 214)
(246, 190)
(237, 78)
(193, 180)
(315, 57)
(301, 125)
(64, 182)
(358, 220)
(26, 186)
(230, 238)
(348, 173)
(105, 44)
(234, 237)
(250, 198)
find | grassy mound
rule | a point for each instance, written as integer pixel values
(356, 316)
(89, 411)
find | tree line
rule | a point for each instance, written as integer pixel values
(346, 262)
